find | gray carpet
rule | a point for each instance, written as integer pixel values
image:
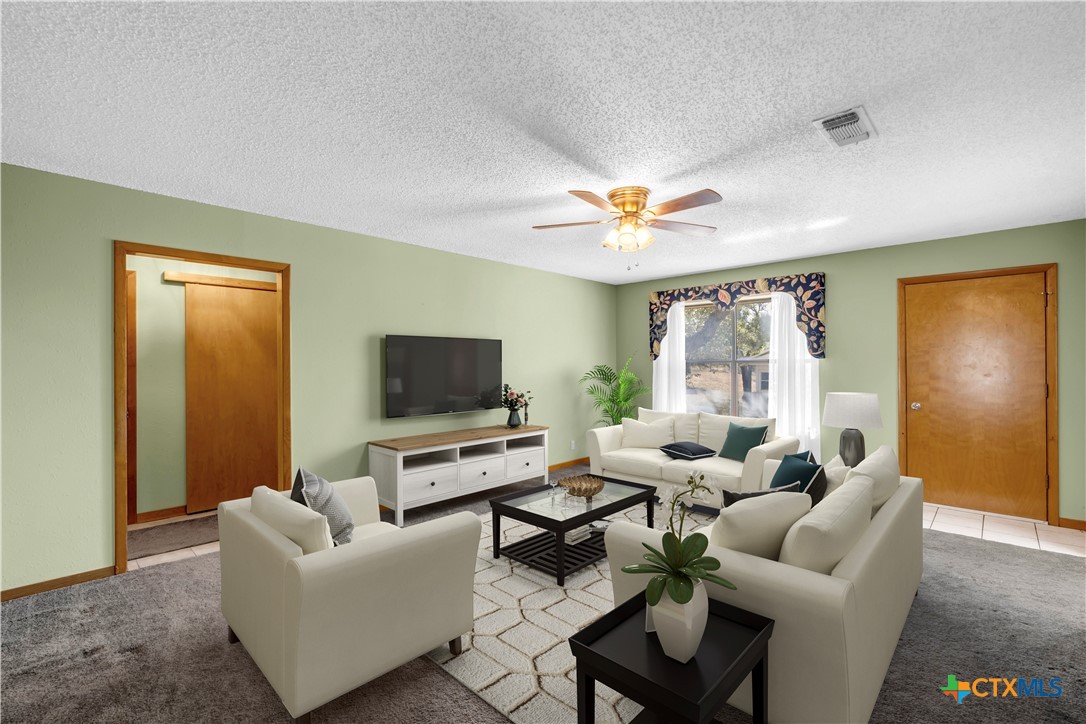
(172, 536)
(150, 646)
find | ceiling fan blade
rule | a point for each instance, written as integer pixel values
(690, 201)
(596, 201)
(576, 223)
(682, 227)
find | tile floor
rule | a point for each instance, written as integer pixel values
(1014, 531)
(1002, 529)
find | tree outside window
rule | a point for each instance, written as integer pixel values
(727, 358)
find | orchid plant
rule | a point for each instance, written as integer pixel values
(682, 562)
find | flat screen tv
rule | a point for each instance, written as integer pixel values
(435, 375)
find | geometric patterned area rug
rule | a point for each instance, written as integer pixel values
(517, 658)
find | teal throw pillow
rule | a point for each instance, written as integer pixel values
(806, 456)
(810, 476)
(741, 439)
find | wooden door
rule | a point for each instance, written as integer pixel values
(130, 393)
(975, 392)
(231, 393)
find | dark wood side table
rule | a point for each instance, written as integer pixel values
(616, 651)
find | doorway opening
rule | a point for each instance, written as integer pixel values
(977, 390)
(219, 388)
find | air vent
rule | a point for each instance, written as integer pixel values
(846, 127)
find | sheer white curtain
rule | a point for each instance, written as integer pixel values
(669, 369)
(793, 376)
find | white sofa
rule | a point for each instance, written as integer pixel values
(321, 624)
(835, 633)
(608, 456)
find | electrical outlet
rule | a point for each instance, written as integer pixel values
(572, 444)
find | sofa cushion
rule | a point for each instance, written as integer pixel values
(719, 472)
(810, 476)
(882, 467)
(729, 497)
(820, 539)
(713, 429)
(644, 462)
(317, 494)
(686, 423)
(307, 528)
(759, 525)
(373, 529)
(836, 472)
(687, 451)
(740, 439)
(643, 434)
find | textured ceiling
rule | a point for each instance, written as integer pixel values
(458, 126)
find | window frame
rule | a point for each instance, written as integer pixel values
(735, 360)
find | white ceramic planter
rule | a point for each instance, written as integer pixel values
(680, 626)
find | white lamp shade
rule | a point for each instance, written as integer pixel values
(852, 409)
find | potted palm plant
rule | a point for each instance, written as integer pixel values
(678, 570)
(614, 393)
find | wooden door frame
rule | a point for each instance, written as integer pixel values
(1052, 405)
(121, 251)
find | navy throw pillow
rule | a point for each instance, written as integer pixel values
(741, 439)
(687, 451)
(729, 497)
(806, 456)
(810, 476)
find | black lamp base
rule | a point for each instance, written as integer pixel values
(852, 447)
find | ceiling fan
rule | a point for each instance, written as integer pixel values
(633, 231)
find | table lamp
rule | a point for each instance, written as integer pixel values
(851, 411)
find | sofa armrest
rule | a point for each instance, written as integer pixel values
(360, 494)
(359, 610)
(756, 457)
(602, 440)
(885, 567)
(814, 623)
(253, 559)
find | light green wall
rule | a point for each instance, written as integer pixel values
(160, 378)
(861, 323)
(348, 291)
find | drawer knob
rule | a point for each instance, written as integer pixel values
(432, 483)
(484, 473)
(527, 464)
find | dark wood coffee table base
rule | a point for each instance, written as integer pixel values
(548, 551)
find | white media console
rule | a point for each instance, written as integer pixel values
(423, 469)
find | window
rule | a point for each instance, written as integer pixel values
(727, 358)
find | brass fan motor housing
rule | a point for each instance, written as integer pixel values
(630, 200)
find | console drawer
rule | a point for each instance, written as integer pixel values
(483, 472)
(427, 483)
(523, 463)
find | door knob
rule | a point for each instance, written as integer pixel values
(915, 405)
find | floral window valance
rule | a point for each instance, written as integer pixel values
(807, 289)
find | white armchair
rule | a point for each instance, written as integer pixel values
(322, 624)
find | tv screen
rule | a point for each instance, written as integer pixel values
(435, 375)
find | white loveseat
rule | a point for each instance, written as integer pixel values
(321, 624)
(609, 457)
(835, 632)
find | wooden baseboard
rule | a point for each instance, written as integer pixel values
(153, 515)
(568, 464)
(1073, 523)
(62, 582)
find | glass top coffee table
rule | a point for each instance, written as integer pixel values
(558, 514)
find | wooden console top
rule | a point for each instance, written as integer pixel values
(453, 437)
